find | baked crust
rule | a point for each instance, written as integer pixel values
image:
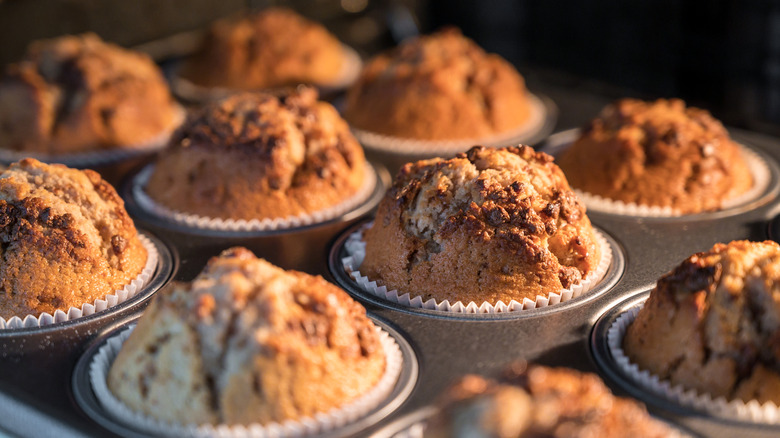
(487, 225)
(438, 87)
(659, 154)
(66, 239)
(247, 342)
(272, 48)
(540, 401)
(713, 323)
(257, 156)
(78, 93)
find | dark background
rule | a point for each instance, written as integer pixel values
(723, 55)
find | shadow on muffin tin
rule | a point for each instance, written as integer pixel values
(88, 402)
(343, 279)
(560, 141)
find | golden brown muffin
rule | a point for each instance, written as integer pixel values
(657, 154)
(487, 225)
(271, 48)
(257, 156)
(67, 239)
(438, 87)
(713, 323)
(540, 402)
(78, 93)
(247, 342)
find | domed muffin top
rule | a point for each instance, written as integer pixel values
(438, 87)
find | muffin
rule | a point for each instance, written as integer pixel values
(657, 154)
(540, 402)
(66, 239)
(259, 156)
(271, 48)
(438, 87)
(486, 225)
(78, 94)
(713, 323)
(247, 342)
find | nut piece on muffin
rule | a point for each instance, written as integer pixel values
(713, 323)
(78, 93)
(438, 87)
(657, 154)
(257, 156)
(538, 402)
(67, 239)
(487, 225)
(247, 342)
(272, 48)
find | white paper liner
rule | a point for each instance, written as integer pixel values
(356, 252)
(320, 423)
(752, 411)
(758, 169)
(188, 90)
(101, 157)
(432, 148)
(99, 305)
(220, 224)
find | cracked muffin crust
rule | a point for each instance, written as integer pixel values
(713, 323)
(247, 342)
(271, 48)
(487, 225)
(78, 93)
(257, 156)
(65, 239)
(540, 401)
(657, 154)
(438, 87)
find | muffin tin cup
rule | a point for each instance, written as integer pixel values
(397, 151)
(135, 287)
(607, 341)
(765, 180)
(241, 225)
(93, 395)
(189, 91)
(348, 254)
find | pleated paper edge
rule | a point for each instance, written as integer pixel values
(219, 224)
(355, 248)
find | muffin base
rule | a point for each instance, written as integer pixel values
(355, 250)
(753, 411)
(418, 149)
(192, 92)
(99, 305)
(100, 364)
(219, 224)
(759, 168)
(101, 157)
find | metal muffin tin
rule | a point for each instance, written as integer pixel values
(37, 396)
